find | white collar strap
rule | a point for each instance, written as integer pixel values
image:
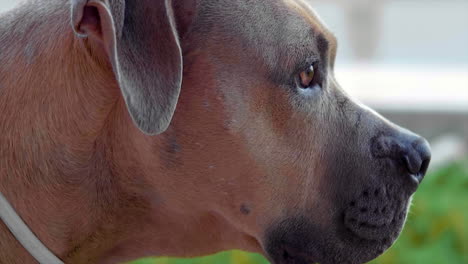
(24, 235)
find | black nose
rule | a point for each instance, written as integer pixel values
(417, 158)
(408, 151)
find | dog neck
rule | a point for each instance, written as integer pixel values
(24, 235)
(57, 140)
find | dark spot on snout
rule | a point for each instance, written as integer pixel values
(245, 209)
(358, 121)
(342, 103)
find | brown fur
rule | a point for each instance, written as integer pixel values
(75, 158)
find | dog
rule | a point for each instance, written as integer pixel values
(187, 127)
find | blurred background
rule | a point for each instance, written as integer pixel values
(407, 59)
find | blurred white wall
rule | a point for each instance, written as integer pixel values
(407, 31)
(402, 54)
(7, 4)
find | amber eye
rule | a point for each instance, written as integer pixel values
(307, 77)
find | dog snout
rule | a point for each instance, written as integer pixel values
(410, 153)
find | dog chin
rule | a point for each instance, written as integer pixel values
(298, 241)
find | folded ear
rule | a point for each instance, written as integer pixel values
(142, 43)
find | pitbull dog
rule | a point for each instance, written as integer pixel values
(186, 127)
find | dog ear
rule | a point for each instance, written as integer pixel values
(142, 44)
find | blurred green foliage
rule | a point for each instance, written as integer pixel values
(436, 231)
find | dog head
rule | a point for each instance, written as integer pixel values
(262, 136)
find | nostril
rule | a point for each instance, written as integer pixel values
(412, 163)
(423, 151)
(424, 166)
(417, 161)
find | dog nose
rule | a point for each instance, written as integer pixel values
(417, 158)
(409, 152)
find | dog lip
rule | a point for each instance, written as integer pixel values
(299, 241)
(416, 177)
(368, 229)
(286, 254)
(289, 254)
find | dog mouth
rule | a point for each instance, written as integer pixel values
(376, 215)
(359, 232)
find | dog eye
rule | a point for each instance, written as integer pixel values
(307, 78)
